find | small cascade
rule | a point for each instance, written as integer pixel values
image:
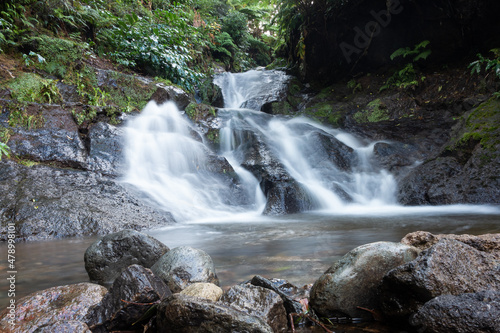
(334, 167)
(168, 163)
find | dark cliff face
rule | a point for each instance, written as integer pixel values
(359, 35)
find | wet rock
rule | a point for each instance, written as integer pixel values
(423, 240)
(395, 156)
(107, 257)
(259, 302)
(131, 296)
(290, 294)
(106, 149)
(446, 180)
(284, 195)
(204, 290)
(211, 94)
(55, 139)
(60, 326)
(355, 279)
(57, 304)
(46, 202)
(182, 313)
(165, 93)
(448, 267)
(331, 150)
(471, 312)
(183, 266)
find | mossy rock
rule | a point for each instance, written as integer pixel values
(375, 111)
(325, 112)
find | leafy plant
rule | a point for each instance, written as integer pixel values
(490, 64)
(418, 52)
(20, 117)
(354, 86)
(4, 150)
(408, 76)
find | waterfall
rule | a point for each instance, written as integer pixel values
(294, 142)
(169, 162)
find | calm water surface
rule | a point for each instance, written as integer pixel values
(298, 248)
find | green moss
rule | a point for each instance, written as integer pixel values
(483, 124)
(324, 113)
(30, 87)
(132, 93)
(375, 111)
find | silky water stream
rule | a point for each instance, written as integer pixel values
(170, 164)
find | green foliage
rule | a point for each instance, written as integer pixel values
(158, 46)
(33, 88)
(19, 117)
(492, 65)
(4, 138)
(354, 86)
(14, 24)
(418, 52)
(235, 24)
(4, 150)
(408, 77)
(61, 56)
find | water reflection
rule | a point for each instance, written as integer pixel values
(298, 248)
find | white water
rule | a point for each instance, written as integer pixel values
(168, 163)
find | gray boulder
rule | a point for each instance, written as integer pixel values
(131, 296)
(62, 303)
(106, 258)
(448, 267)
(183, 266)
(188, 314)
(259, 302)
(57, 140)
(466, 313)
(46, 202)
(355, 279)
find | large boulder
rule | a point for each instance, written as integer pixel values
(106, 258)
(55, 139)
(448, 267)
(465, 313)
(188, 314)
(183, 266)
(259, 302)
(355, 279)
(46, 202)
(63, 303)
(131, 296)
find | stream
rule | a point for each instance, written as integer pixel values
(296, 247)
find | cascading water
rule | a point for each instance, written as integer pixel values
(273, 157)
(168, 161)
(297, 145)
